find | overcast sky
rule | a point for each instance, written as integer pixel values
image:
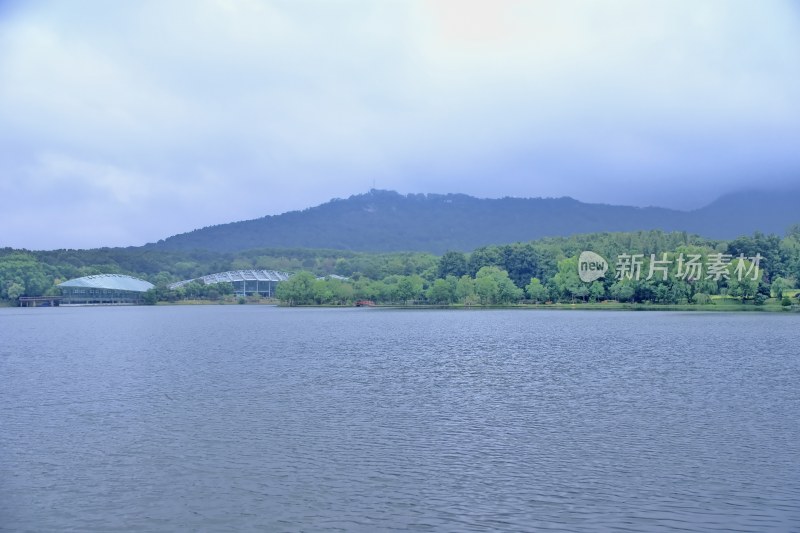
(126, 122)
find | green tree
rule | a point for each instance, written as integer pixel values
(701, 298)
(507, 291)
(623, 291)
(486, 289)
(440, 292)
(481, 257)
(298, 289)
(14, 291)
(343, 292)
(162, 279)
(744, 289)
(150, 297)
(23, 270)
(388, 289)
(409, 288)
(679, 292)
(322, 292)
(581, 292)
(707, 286)
(597, 291)
(767, 246)
(224, 289)
(465, 290)
(567, 281)
(779, 285)
(747, 287)
(452, 264)
(493, 286)
(367, 289)
(536, 291)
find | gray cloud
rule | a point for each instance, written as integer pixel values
(127, 123)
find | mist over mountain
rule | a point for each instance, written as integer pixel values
(388, 221)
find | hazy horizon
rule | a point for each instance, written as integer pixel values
(789, 190)
(128, 123)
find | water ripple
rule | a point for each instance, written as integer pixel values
(249, 417)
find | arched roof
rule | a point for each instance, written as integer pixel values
(119, 282)
(236, 275)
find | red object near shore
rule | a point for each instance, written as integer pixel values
(365, 303)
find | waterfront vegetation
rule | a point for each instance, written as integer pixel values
(542, 272)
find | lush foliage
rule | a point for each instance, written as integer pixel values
(536, 272)
(547, 271)
(35, 273)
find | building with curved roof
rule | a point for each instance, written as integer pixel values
(245, 282)
(104, 289)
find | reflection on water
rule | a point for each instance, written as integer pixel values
(247, 417)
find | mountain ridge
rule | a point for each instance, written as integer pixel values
(382, 221)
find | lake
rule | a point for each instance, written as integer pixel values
(232, 418)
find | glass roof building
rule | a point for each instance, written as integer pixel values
(245, 282)
(104, 289)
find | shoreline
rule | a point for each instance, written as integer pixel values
(728, 307)
(720, 306)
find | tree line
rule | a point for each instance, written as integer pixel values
(37, 273)
(545, 270)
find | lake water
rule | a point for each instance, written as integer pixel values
(232, 418)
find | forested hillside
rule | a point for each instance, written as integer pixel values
(541, 270)
(388, 221)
